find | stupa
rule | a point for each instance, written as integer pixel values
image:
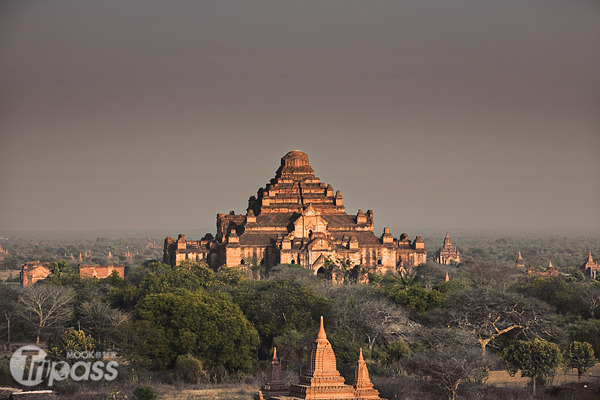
(321, 380)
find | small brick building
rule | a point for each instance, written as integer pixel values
(34, 271)
(100, 271)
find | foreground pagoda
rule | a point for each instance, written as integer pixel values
(297, 219)
(321, 379)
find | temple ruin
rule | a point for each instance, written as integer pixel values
(34, 271)
(297, 219)
(320, 380)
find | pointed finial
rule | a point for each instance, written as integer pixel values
(274, 353)
(550, 265)
(447, 277)
(360, 357)
(447, 234)
(590, 259)
(321, 334)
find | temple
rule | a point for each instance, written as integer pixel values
(447, 253)
(590, 268)
(320, 379)
(297, 219)
(551, 270)
(519, 262)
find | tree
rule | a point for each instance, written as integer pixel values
(368, 316)
(61, 273)
(580, 356)
(207, 325)
(415, 298)
(556, 292)
(46, 305)
(492, 274)
(100, 319)
(449, 366)
(157, 277)
(590, 294)
(71, 340)
(8, 307)
(488, 313)
(277, 306)
(142, 344)
(537, 359)
(586, 331)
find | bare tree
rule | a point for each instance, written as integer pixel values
(590, 293)
(490, 274)
(488, 313)
(8, 307)
(46, 305)
(100, 319)
(448, 366)
(368, 316)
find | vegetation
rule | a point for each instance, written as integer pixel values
(536, 359)
(422, 337)
(580, 356)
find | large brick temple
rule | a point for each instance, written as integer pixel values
(298, 219)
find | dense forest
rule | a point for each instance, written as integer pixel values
(422, 336)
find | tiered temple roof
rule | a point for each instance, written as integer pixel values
(297, 219)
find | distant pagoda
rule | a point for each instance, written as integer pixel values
(447, 253)
(590, 268)
(519, 262)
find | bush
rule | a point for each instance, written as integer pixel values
(144, 393)
(188, 369)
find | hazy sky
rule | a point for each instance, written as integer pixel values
(434, 114)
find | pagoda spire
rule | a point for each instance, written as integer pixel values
(590, 259)
(447, 241)
(361, 382)
(321, 335)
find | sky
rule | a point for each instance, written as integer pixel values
(451, 114)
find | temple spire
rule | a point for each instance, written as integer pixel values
(361, 382)
(590, 259)
(322, 334)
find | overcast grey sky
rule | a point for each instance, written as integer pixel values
(435, 114)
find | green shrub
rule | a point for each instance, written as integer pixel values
(188, 369)
(144, 393)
